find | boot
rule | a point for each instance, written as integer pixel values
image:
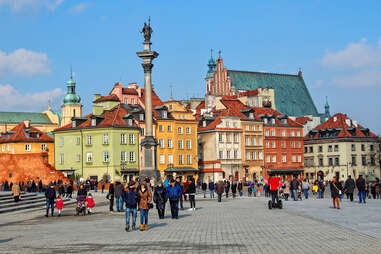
(127, 228)
(146, 227)
(133, 227)
(141, 227)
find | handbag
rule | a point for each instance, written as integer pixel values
(337, 189)
(150, 205)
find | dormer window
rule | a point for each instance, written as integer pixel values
(93, 122)
(204, 123)
(141, 117)
(165, 114)
(284, 121)
(251, 115)
(129, 122)
(132, 101)
(73, 124)
(273, 121)
(265, 120)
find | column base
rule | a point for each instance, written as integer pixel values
(150, 173)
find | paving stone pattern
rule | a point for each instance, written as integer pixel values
(233, 226)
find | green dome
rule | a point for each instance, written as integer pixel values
(71, 98)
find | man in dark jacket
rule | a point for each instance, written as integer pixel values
(227, 188)
(131, 199)
(219, 190)
(295, 187)
(349, 187)
(234, 189)
(181, 186)
(119, 196)
(361, 187)
(203, 187)
(50, 195)
(160, 198)
(174, 193)
(211, 189)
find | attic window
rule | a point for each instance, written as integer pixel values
(251, 115)
(141, 117)
(130, 122)
(284, 121)
(204, 123)
(73, 124)
(334, 119)
(265, 120)
(93, 122)
(165, 114)
(273, 121)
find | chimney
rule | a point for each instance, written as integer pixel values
(300, 74)
(27, 123)
(132, 85)
(97, 96)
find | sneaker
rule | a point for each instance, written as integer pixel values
(133, 227)
(127, 228)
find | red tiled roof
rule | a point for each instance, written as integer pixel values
(302, 120)
(270, 111)
(248, 92)
(342, 122)
(131, 91)
(20, 133)
(112, 97)
(156, 102)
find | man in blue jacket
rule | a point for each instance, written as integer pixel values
(211, 189)
(131, 199)
(173, 194)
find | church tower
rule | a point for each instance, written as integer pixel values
(326, 107)
(71, 106)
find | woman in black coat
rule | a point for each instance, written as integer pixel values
(160, 198)
(336, 190)
(110, 196)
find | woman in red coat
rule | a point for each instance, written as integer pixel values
(60, 205)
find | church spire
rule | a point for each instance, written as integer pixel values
(326, 107)
(71, 97)
(211, 65)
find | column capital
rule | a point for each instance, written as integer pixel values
(147, 67)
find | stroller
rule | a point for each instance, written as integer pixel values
(81, 205)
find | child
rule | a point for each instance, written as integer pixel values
(259, 190)
(250, 190)
(90, 203)
(255, 190)
(59, 205)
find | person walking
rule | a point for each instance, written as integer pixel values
(211, 188)
(349, 188)
(59, 205)
(174, 193)
(181, 186)
(227, 188)
(286, 190)
(219, 189)
(131, 200)
(335, 193)
(378, 188)
(240, 188)
(110, 196)
(361, 187)
(204, 187)
(16, 192)
(70, 190)
(294, 188)
(305, 188)
(144, 205)
(321, 189)
(103, 183)
(50, 195)
(192, 193)
(234, 189)
(118, 196)
(160, 198)
(40, 186)
(250, 190)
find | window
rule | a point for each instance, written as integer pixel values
(284, 158)
(260, 155)
(283, 144)
(294, 158)
(330, 148)
(162, 159)
(78, 141)
(188, 144)
(247, 156)
(74, 124)
(227, 124)
(372, 160)
(371, 147)
(189, 159)
(305, 149)
(235, 154)
(27, 147)
(165, 114)
(311, 149)
(88, 140)
(292, 134)
(266, 133)
(220, 154)
(123, 156)
(129, 122)
(169, 128)
(298, 133)
(180, 144)
(141, 117)
(283, 133)
(272, 144)
(94, 122)
(9, 147)
(293, 145)
(253, 141)
(247, 140)
(272, 132)
(161, 128)
(273, 121)
(337, 161)
(253, 155)
(251, 115)
(132, 101)
(180, 130)
(181, 159)
(363, 160)
(258, 127)
(299, 158)
(228, 154)
(267, 144)
(363, 148)
(43, 148)
(105, 139)
(320, 149)
(235, 137)
(161, 143)
(123, 139)
(330, 162)
(187, 130)
(259, 141)
(170, 159)
(298, 144)
(170, 144)
(354, 161)
(274, 158)
(125, 100)
(61, 158)
(142, 131)
(353, 147)
(253, 127)
(320, 161)
(267, 158)
(61, 141)
(265, 120)
(220, 137)
(89, 157)
(132, 139)
(228, 137)
(105, 157)
(235, 125)
(78, 157)
(336, 148)
(132, 156)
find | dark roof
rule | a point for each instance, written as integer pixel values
(291, 94)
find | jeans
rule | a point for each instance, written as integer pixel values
(295, 194)
(211, 193)
(336, 201)
(219, 197)
(305, 193)
(174, 208)
(362, 196)
(132, 212)
(143, 216)
(192, 201)
(240, 193)
(119, 204)
(49, 203)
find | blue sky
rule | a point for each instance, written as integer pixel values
(336, 43)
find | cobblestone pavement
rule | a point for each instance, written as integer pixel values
(233, 226)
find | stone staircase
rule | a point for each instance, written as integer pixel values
(28, 202)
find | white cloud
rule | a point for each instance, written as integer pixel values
(355, 55)
(318, 83)
(27, 5)
(13, 100)
(367, 78)
(79, 8)
(24, 62)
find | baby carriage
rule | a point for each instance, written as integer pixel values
(81, 205)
